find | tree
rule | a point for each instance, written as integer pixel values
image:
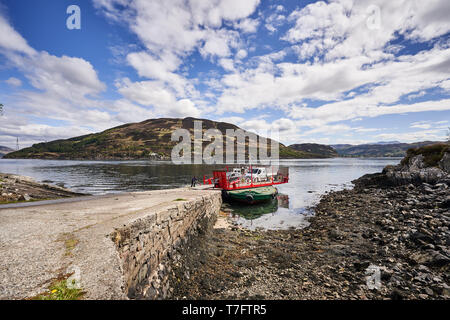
(1, 109)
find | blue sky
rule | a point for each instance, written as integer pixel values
(327, 72)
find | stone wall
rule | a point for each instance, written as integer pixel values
(148, 247)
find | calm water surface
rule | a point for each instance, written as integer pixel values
(309, 179)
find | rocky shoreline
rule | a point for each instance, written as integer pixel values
(15, 188)
(392, 225)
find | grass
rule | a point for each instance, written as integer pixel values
(180, 199)
(70, 242)
(60, 290)
(432, 154)
(24, 201)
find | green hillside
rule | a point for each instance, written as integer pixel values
(150, 139)
(322, 151)
(378, 150)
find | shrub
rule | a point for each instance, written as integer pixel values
(432, 154)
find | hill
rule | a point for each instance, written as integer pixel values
(4, 150)
(319, 149)
(378, 150)
(150, 139)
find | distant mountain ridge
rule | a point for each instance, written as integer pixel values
(314, 148)
(384, 149)
(387, 142)
(150, 139)
(5, 150)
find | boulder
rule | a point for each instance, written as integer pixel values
(444, 164)
(416, 171)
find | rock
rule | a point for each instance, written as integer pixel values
(420, 238)
(420, 258)
(402, 228)
(414, 172)
(284, 292)
(444, 164)
(397, 295)
(438, 260)
(386, 275)
(336, 234)
(359, 266)
(445, 203)
(428, 291)
(423, 268)
(26, 197)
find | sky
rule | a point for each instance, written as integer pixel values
(326, 72)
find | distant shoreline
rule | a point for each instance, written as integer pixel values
(168, 160)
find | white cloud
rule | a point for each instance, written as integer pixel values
(424, 135)
(227, 64)
(426, 124)
(184, 108)
(286, 85)
(65, 76)
(282, 129)
(146, 93)
(67, 89)
(273, 21)
(171, 31)
(335, 60)
(128, 112)
(218, 43)
(247, 25)
(11, 40)
(31, 133)
(180, 26)
(233, 120)
(155, 94)
(161, 69)
(241, 54)
(349, 28)
(14, 82)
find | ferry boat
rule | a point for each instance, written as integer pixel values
(250, 184)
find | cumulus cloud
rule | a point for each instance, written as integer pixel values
(241, 54)
(14, 82)
(348, 55)
(422, 135)
(180, 26)
(329, 62)
(162, 69)
(342, 29)
(426, 124)
(172, 30)
(64, 76)
(11, 40)
(65, 90)
(274, 20)
(247, 25)
(154, 94)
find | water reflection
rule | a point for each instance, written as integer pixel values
(283, 201)
(280, 219)
(249, 211)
